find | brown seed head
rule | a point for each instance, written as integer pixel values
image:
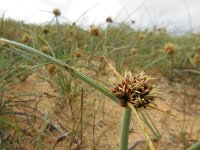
(136, 90)
(101, 58)
(51, 68)
(95, 31)
(4, 44)
(45, 30)
(25, 38)
(170, 48)
(78, 53)
(109, 20)
(197, 58)
(45, 49)
(151, 33)
(196, 48)
(134, 51)
(56, 12)
(141, 37)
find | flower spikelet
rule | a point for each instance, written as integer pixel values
(95, 31)
(170, 48)
(109, 20)
(56, 12)
(136, 90)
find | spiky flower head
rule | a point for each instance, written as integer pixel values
(95, 31)
(25, 38)
(4, 44)
(101, 58)
(136, 90)
(141, 37)
(45, 30)
(197, 58)
(196, 49)
(51, 68)
(45, 49)
(56, 12)
(170, 48)
(78, 53)
(109, 20)
(134, 50)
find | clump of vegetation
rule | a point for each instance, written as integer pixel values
(58, 54)
(170, 49)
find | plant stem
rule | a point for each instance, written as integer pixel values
(147, 138)
(81, 115)
(91, 50)
(172, 67)
(58, 31)
(195, 146)
(125, 128)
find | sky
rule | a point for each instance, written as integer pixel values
(175, 15)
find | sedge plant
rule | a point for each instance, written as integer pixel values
(170, 49)
(57, 13)
(131, 92)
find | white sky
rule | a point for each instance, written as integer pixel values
(176, 15)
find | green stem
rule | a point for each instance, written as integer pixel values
(195, 147)
(91, 49)
(58, 31)
(125, 129)
(172, 67)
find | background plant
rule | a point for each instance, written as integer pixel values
(115, 42)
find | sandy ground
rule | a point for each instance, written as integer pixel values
(100, 131)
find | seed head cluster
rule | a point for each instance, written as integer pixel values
(51, 68)
(25, 38)
(141, 37)
(196, 48)
(45, 31)
(136, 90)
(134, 50)
(109, 20)
(197, 58)
(56, 12)
(45, 49)
(95, 31)
(170, 48)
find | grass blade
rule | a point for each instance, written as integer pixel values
(147, 138)
(74, 72)
(39, 140)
